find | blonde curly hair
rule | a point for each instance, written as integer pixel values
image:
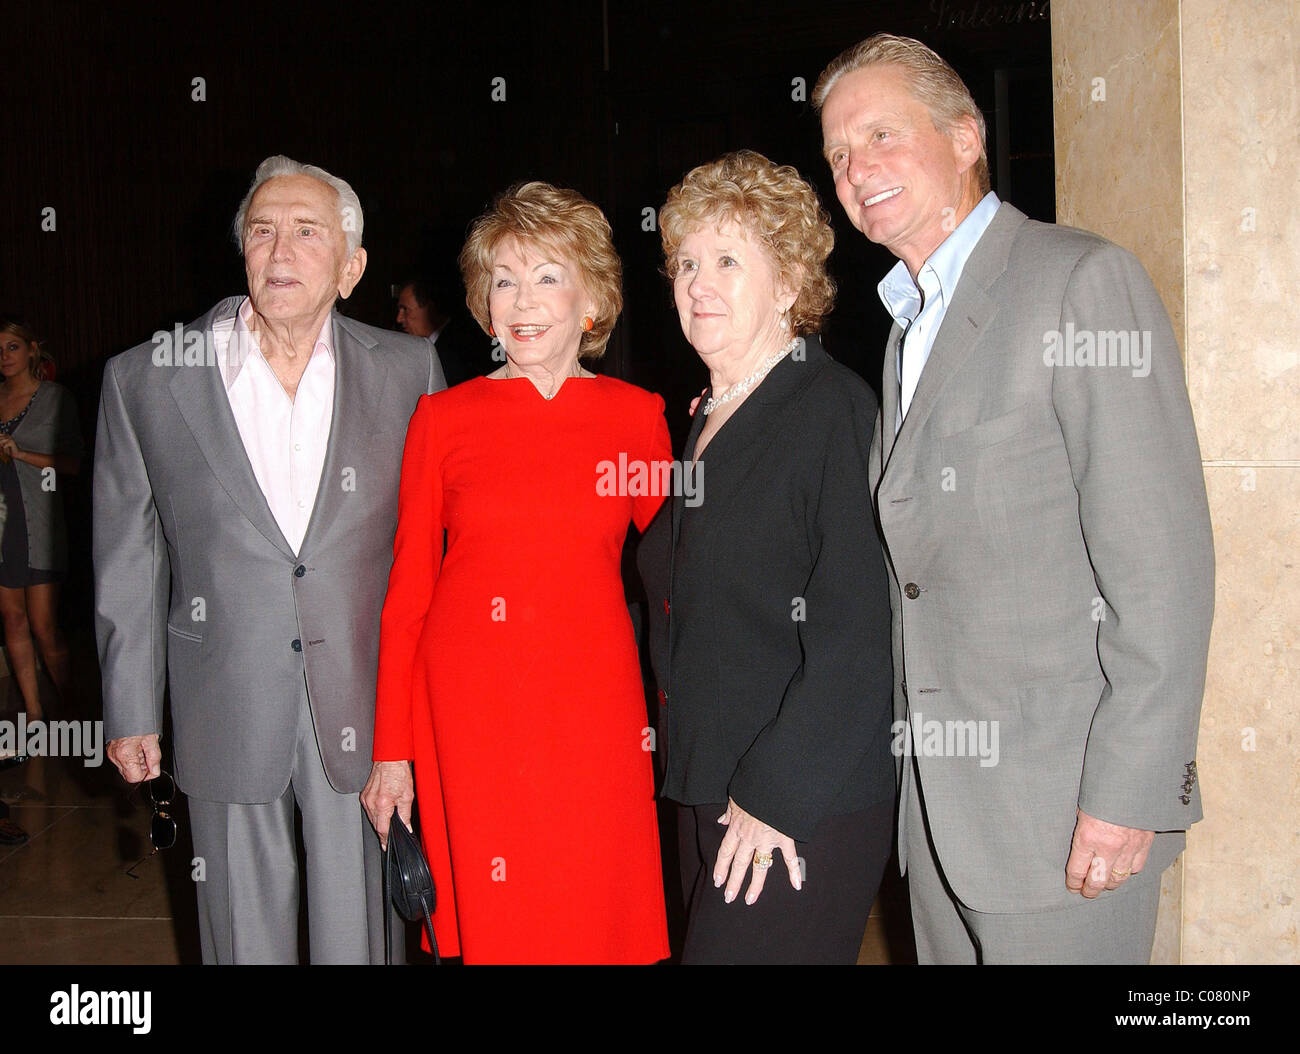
(565, 224)
(776, 206)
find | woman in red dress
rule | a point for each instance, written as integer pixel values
(508, 672)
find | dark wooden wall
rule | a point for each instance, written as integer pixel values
(615, 99)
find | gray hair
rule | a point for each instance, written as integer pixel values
(931, 80)
(349, 204)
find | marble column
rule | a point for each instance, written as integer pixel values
(1176, 137)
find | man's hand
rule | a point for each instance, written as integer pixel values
(390, 784)
(746, 836)
(138, 758)
(1103, 855)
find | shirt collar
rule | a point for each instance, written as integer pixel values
(900, 294)
(242, 341)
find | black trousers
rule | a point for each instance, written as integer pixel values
(821, 924)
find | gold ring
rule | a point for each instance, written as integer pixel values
(762, 861)
(1119, 874)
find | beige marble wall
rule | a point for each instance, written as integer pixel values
(1240, 891)
(1118, 139)
(1191, 160)
(1241, 109)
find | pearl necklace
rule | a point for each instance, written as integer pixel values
(737, 390)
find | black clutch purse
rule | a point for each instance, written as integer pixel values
(408, 884)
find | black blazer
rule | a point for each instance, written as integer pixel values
(775, 674)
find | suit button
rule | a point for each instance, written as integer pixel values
(911, 591)
(296, 644)
(299, 571)
(667, 606)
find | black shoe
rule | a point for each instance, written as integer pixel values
(11, 833)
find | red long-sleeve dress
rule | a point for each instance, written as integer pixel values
(508, 671)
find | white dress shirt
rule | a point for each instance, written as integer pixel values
(285, 439)
(919, 306)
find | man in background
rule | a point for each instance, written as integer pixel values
(462, 350)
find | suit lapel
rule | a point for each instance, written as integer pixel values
(964, 323)
(888, 406)
(679, 500)
(740, 443)
(201, 398)
(359, 380)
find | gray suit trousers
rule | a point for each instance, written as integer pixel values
(1117, 928)
(248, 899)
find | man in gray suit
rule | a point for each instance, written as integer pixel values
(245, 501)
(1038, 484)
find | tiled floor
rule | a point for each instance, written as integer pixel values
(889, 930)
(67, 897)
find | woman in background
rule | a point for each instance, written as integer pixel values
(40, 446)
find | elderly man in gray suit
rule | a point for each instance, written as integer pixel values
(1038, 484)
(245, 502)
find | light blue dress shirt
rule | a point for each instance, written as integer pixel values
(919, 306)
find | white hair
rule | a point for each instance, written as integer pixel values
(279, 165)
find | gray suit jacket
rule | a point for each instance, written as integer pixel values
(197, 590)
(1051, 563)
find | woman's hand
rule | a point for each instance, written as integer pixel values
(746, 836)
(8, 448)
(390, 784)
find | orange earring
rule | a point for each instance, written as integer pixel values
(491, 332)
(587, 324)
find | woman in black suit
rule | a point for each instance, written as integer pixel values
(776, 697)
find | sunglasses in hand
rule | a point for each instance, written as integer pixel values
(162, 825)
